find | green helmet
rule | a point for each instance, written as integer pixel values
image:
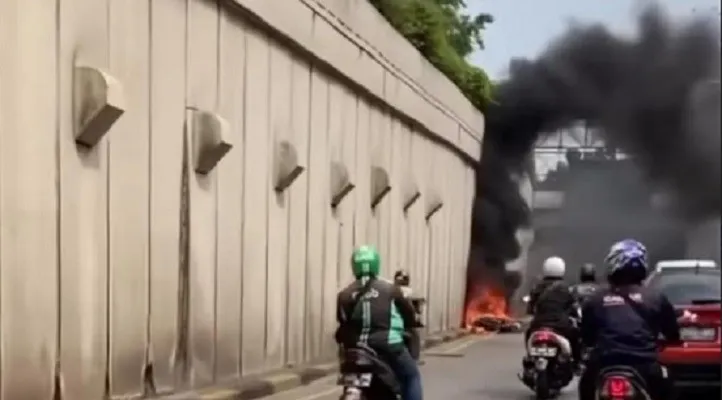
(365, 261)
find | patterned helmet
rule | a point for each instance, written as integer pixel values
(627, 262)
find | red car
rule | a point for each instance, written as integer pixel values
(696, 363)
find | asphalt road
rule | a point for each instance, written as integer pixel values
(478, 368)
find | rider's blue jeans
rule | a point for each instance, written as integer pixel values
(407, 371)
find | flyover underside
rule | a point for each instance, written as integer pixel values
(205, 234)
(587, 239)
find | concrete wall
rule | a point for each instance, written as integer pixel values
(118, 255)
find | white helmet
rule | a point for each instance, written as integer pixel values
(554, 267)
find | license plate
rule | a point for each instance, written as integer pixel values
(695, 334)
(543, 351)
(357, 380)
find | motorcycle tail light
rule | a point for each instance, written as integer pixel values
(618, 388)
(541, 336)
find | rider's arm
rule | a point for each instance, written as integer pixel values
(668, 324)
(533, 297)
(571, 303)
(341, 316)
(406, 309)
(588, 325)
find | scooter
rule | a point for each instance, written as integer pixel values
(620, 383)
(548, 365)
(364, 376)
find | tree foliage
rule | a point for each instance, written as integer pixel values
(445, 35)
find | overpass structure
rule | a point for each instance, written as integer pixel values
(577, 212)
(182, 183)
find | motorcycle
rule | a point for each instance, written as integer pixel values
(548, 365)
(620, 383)
(364, 376)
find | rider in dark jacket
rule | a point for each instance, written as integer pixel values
(374, 312)
(553, 306)
(587, 285)
(622, 323)
(403, 281)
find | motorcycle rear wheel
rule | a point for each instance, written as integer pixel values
(541, 386)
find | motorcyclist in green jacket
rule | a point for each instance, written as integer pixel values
(374, 311)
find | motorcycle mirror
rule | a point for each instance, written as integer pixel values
(525, 299)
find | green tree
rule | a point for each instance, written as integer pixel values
(445, 35)
(465, 33)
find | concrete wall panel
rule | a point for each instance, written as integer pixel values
(83, 208)
(362, 212)
(278, 208)
(435, 237)
(202, 94)
(374, 158)
(318, 203)
(332, 230)
(229, 253)
(442, 263)
(28, 205)
(450, 185)
(298, 219)
(334, 221)
(397, 238)
(345, 213)
(255, 202)
(128, 172)
(423, 254)
(167, 108)
(403, 181)
(458, 260)
(384, 209)
(415, 219)
(459, 257)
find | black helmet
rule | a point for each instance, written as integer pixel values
(586, 274)
(401, 278)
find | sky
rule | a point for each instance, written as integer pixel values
(522, 28)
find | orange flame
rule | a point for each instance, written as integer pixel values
(485, 300)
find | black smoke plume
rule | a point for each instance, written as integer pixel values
(645, 92)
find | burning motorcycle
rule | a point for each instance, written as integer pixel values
(548, 366)
(364, 376)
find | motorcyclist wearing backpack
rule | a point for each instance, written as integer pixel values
(587, 285)
(622, 323)
(553, 306)
(374, 311)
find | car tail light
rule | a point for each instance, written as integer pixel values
(617, 388)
